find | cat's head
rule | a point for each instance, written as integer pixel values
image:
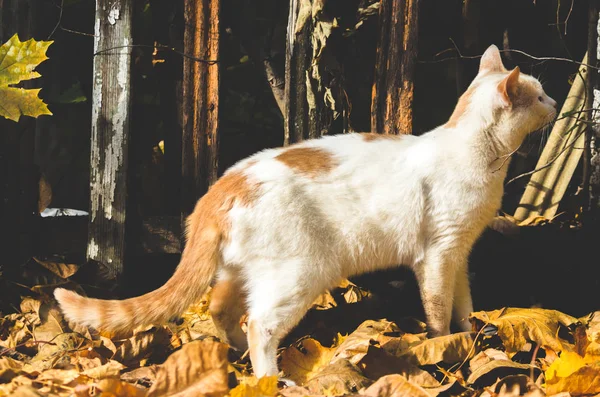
(511, 100)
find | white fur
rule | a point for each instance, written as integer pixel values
(417, 201)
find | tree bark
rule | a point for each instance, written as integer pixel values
(111, 92)
(297, 125)
(200, 100)
(393, 90)
(314, 95)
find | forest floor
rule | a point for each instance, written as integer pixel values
(364, 338)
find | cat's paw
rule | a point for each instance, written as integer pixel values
(286, 382)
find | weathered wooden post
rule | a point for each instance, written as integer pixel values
(200, 100)
(392, 97)
(110, 134)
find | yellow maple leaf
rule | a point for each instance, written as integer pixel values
(17, 63)
(301, 363)
(567, 364)
(573, 373)
(252, 387)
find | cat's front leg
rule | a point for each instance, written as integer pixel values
(436, 276)
(463, 303)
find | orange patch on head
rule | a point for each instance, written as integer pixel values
(461, 108)
(371, 136)
(306, 160)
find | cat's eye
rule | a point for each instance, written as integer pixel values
(540, 99)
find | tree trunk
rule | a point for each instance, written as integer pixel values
(297, 126)
(393, 90)
(200, 100)
(111, 92)
(314, 98)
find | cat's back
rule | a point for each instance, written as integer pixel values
(330, 158)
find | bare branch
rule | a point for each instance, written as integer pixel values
(541, 59)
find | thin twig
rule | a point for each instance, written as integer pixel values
(62, 2)
(532, 363)
(159, 46)
(77, 32)
(541, 59)
(153, 46)
(568, 16)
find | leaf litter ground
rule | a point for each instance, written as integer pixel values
(344, 347)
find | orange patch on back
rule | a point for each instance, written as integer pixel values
(307, 160)
(371, 136)
(460, 109)
(210, 215)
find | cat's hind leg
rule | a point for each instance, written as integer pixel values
(227, 305)
(276, 305)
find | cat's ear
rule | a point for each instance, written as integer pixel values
(509, 86)
(491, 61)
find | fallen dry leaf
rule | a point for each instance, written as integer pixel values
(62, 270)
(575, 374)
(141, 345)
(453, 348)
(355, 346)
(56, 352)
(142, 375)
(394, 386)
(303, 360)
(517, 327)
(117, 388)
(252, 387)
(199, 369)
(378, 363)
(9, 368)
(339, 378)
(499, 369)
(108, 370)
(52, 322)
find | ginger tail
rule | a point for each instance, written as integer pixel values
(187, 285)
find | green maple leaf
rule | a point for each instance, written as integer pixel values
(17, 63)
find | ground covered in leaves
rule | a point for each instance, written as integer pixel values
(510, 352)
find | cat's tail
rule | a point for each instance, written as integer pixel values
(192, 277)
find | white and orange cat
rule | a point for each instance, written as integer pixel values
(284, 225)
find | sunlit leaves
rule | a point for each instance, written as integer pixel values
(526, 352)
(17, 63)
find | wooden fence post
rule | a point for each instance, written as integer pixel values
(392, 96)
(111, 91)
(199, 150)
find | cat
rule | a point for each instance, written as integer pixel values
(284, 225)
